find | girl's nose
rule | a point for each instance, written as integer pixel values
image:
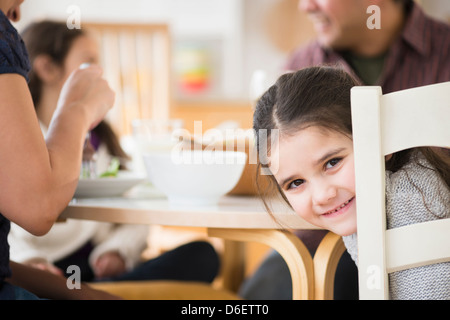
(323, 193)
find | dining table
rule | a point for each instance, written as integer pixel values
(236, 219)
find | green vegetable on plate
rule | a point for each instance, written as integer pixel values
(113, 169)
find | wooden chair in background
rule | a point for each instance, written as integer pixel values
(137, 63)
(382, 125)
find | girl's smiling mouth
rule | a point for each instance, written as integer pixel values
(338, 210)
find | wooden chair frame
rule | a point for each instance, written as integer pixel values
(137, 63)
(382, 125)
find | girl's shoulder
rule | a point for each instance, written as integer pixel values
(416, 193)
(13, 54)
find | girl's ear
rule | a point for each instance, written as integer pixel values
(46, 69)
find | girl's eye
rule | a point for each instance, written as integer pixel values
(295, 184)
(333, 162)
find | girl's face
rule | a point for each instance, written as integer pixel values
(316, 173)
(84, 49)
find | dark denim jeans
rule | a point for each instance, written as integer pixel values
(11, 292)
(193, 261)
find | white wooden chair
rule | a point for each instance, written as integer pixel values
(384, 124)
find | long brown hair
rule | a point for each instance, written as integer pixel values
(320, 96)
(54, 39)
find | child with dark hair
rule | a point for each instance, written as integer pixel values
(54, 51)
(311, 166)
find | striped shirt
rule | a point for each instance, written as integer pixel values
(420, 56)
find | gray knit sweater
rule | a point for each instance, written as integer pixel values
(406, 191)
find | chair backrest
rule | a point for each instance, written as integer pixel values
(137, 63)
(384, 124)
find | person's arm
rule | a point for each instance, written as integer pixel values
(49, 286)
(38, 178)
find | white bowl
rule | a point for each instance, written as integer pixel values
(196, 177)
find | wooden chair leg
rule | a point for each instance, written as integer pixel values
(290, 247)
(326, 259)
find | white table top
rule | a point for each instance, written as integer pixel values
(150, 207)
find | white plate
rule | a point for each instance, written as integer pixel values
(108, 186)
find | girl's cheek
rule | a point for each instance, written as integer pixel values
(301, 208)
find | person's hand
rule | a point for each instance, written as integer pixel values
(109, 264)
(86, 90)
(42, 264)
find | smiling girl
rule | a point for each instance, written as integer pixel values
(312, 167)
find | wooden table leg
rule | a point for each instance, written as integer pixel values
(233, 265)
(289, 246)
(326, 259)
